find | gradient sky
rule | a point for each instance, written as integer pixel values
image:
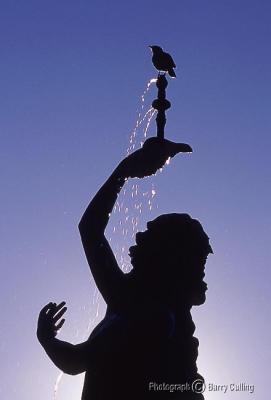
(72, 73)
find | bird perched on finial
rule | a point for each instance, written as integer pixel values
(163, 61)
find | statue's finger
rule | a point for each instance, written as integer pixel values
(59, 314)
(59, 325)
(59, 306)
(52, 310)
(46, 308)
(55, 308)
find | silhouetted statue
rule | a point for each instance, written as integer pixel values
(144, 347)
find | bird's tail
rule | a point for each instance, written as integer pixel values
(171, 72)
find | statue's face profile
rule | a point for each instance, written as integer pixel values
(189, 274)
(197, 287)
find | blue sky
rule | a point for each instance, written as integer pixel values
(72, 74)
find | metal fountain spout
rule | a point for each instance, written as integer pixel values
(161, 104)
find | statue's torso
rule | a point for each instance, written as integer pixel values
(135, 347)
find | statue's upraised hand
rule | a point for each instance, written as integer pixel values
(47, 322)
(152, 156)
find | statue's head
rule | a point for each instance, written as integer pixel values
(171, 255)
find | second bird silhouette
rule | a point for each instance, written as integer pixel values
(163, 61)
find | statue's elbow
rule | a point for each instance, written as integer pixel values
(81, 224)
(83, 227)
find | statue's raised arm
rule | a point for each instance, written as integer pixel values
(144, 162)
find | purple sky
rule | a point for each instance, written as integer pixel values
(72, 73)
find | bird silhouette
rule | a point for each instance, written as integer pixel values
(163, 61)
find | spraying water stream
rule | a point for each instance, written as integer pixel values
(134, 200)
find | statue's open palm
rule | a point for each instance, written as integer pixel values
(48, 321)
(152, 156)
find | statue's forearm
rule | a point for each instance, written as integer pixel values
(98, 211)
(66, 356)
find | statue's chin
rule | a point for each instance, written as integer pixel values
(199, 295)
(199, 300)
